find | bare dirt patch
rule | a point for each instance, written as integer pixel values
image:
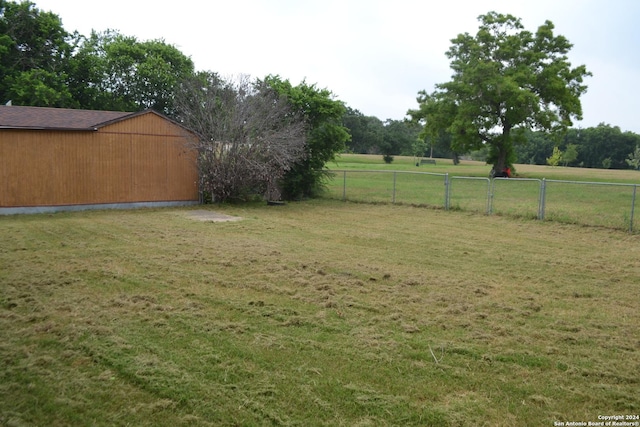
(204, 215)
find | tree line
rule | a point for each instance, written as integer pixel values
(389, 138)
(512, 99)
(603, 146)
(262, 137)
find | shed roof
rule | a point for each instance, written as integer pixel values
(17, 117)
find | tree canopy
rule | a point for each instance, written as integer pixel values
(366, 132)
(505, 79)
(369, 135)
(34, 54)
(41, 64)
(111, 71)
(326, 135)
(399, 138)
(593, 147)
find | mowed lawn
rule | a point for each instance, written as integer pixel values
(315, 313)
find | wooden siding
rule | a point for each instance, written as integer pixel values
(142, 159)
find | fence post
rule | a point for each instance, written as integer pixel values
(344, 186)
(394, 187)
(446, 191)
(492, 190)
(633, 206)
(543, 197)
(489, 196)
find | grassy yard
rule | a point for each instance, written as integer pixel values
(315, 313)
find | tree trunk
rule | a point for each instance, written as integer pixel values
(502, 149)
(500, 162)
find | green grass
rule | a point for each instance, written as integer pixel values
(481, 169)
(582, 197)
(315, 313)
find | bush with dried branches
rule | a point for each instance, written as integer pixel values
(249, 136)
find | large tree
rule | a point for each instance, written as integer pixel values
(249, 136)
(111, 71)
(34, 54)
(505, 79)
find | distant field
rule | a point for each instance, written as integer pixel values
(315, 313)
(583, 197)
(481, 169)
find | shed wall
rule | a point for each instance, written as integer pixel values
(142, 159)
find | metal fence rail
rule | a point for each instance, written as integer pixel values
(589, 203)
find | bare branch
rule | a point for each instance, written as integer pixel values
(249, 136)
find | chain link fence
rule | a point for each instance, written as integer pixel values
(589, 203)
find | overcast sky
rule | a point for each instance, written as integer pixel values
(374, 55)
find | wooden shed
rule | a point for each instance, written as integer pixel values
(62, 159)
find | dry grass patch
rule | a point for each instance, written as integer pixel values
(317, 313)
